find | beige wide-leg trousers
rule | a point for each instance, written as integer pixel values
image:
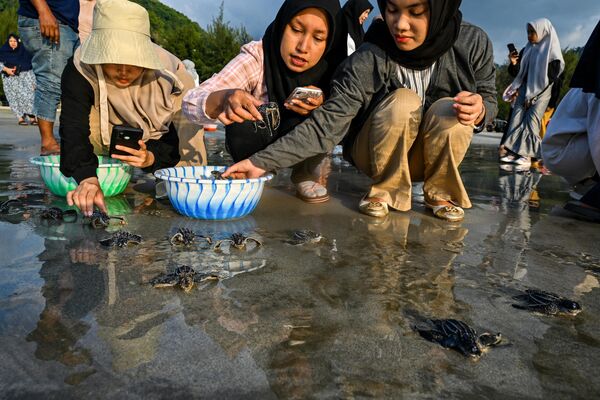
(399, 145)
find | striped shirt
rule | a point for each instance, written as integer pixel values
(246, 72)
(415, 80)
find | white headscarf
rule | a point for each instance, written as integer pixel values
(536, 58)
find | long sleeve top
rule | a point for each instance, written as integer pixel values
(246, 72)
(365, 78)
(77, 153)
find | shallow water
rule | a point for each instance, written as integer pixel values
(331, 320)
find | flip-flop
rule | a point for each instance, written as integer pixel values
(22, 123)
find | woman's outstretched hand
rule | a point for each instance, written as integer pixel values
(305, 107)
(86, 195)
(141, 158)
(244, 170)
(469, 108)
(233, 105)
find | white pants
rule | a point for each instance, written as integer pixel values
(571, 147)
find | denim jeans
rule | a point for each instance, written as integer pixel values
(48, 62)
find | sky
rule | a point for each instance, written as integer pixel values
(504, 20)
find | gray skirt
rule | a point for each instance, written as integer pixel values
(19, 92)
(523, 136)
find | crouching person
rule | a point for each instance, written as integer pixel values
(119, 77)
(571, 147)
(405, 104)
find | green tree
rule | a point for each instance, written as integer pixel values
(222, 43)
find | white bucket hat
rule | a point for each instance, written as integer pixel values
(120, 35)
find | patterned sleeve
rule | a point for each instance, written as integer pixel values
(243, 72)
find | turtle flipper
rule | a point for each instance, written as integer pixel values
(549, 309)
(489, 339)
(164, 280)
(108, 242)
(220, 243)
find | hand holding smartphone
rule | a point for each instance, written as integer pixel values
(125, 136)
(303, 94)
(512, 50)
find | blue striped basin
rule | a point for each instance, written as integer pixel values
(194, 194)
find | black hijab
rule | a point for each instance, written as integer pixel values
(444, 28)
(279, 79)
(352, 10)
(18, 57)
(587, 73)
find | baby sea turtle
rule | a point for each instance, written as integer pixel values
(185, 277)
(305, 236)
(121, 239)
(55, 214)
(186, 237)
(6, 206)
(456, 335)
(239, 241)
(218, 176)
(100, 219)
(546, 303)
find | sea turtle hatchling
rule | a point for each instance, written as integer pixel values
(218, 176)
(121, 239)
(546, 303)
(55, 214)
(457, 335)
(185, 277)
(186, 237)
(100, 219)
(239, 241)
(305, 236)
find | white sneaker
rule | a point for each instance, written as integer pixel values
(508, 159)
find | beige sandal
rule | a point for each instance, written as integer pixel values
(448, 212)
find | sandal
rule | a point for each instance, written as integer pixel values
(448, 212)
(22, 122)
(373, 207)
(311, 192)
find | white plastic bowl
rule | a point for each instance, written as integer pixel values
(194, 194)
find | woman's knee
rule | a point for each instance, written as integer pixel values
(400, 107)
(441, 118)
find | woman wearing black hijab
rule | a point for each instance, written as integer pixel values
(405, 105)
(355, 13)
(571, 147)
(18, 78)
(291, 54)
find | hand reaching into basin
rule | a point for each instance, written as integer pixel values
(243, 170)
(86, 195)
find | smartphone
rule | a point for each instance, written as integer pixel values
(512, 49)
(125, 136)
(302, 93)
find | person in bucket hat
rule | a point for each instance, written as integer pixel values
(119, 77)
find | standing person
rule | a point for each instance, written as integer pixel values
(49, 32)
(291, 54)
(355, 14)
(405, 104)
(119, 77)
(18, 79)
(537, 69)
(571, 147)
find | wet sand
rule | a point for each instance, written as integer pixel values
(332, 320)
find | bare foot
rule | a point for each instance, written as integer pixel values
(50, 149)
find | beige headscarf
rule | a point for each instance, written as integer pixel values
(149, 103)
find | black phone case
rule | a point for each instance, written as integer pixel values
(124, 136)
